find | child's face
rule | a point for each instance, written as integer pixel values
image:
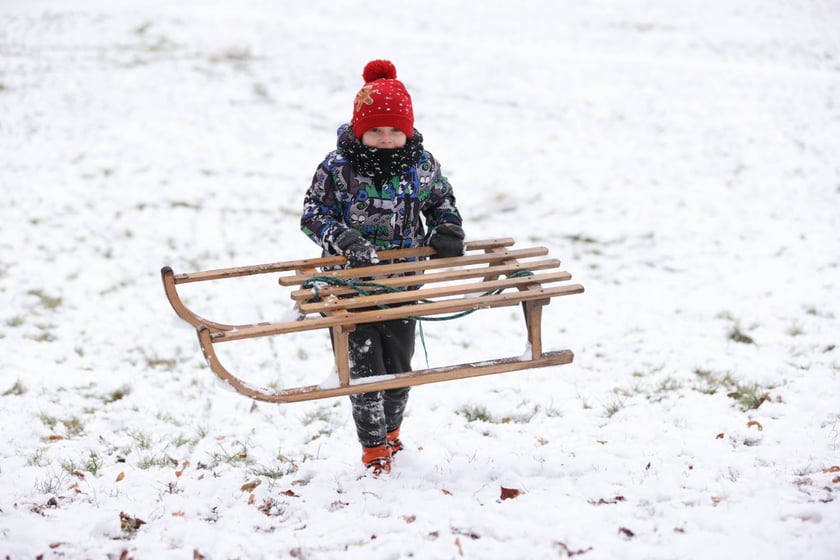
(386, 137)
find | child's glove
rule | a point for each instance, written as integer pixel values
(357, 249)
(447, 240)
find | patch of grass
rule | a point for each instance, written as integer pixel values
(167, 364)
(230, 457)
(159, 460)
(748, 396)
(47, 301)
(94, 463)
(579, 238)
(15, 321)
(17, 389)
(37, 459)
(322, 414)
(141, 440)
(45, 335)
(49, 421)
(117, 394)
(184, 204)
(69, 466)
(668, 384)
(73, 427)
(735, 334)
(614, 407)
(274, 472)
(52, 485)
(474, 413)
(795, 330)
(182, 440)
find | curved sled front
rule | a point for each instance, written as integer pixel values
(185, 313)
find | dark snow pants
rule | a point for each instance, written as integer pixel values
(380, 349)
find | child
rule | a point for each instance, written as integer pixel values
(369, 195)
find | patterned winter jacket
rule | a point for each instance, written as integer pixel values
(386, 214)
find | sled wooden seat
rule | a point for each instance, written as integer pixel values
(490, 274)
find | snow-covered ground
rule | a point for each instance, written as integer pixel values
(680, 157)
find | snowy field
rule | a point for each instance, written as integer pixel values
(680, 158)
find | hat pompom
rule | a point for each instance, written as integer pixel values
(378, 69)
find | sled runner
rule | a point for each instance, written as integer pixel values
(426, 289)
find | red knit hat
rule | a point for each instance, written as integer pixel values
(383, 101)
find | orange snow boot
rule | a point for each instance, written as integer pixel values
(393, 442)
(377, 459)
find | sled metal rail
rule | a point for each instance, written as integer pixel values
(476, 280)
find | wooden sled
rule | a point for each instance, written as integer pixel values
(331, 300)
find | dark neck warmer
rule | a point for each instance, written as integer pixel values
(377, 163)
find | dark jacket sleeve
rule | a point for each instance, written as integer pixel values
(322, 218)
(440, 207)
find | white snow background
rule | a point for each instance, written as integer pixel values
(681, 158)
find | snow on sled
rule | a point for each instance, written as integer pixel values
(340, 300)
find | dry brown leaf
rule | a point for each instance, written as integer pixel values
(601, 441)
(571, 552)
(458, 544)
(177, 514)
(445, 491)
(831, 469)
(755, 423)
(290, 493)
(626, 532)
(409, 518)
(250, 486)
(718, 499)
(251, 499)
(720, 436)
(179, 473)
(338, 504)
(510, 493)
(120, 476)
(542, 441)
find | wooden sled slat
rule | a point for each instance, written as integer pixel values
(432, 277)
(377, 315)
(418, 266)
(412, 296)
(380, 383)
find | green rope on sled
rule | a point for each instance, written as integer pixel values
(367, 288)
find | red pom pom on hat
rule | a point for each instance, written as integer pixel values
(383, 101)
(378, 69)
